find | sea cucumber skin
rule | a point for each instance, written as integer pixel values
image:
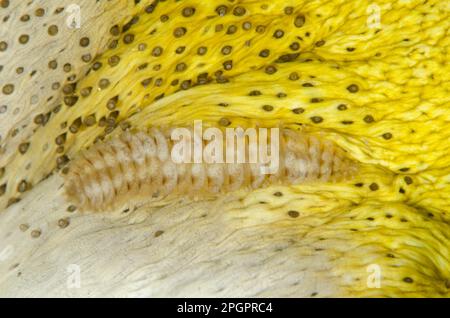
(139, 164)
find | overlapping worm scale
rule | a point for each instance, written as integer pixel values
(140, 164)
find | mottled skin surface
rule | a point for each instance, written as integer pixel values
(378, 88)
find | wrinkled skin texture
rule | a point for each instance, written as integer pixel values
(378, 89)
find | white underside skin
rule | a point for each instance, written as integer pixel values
(206, 249)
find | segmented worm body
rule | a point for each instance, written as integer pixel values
(140, 164)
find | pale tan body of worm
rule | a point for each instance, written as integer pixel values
(139, 164)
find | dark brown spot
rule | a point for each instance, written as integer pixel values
(114, 60)
(342, 107)
(267, 108)
(186, 84)
(271, 69)
(224, 122)
(180, 67)
(70, 100)
(52, 30)
(294, 76)
(179, 32)
(264, 53)
(320, 43)
(287, 58)
(103, 83)
(353, 88)
(23, 147)
(222, 10)
(227, 49)
(408, 280)
(35, 233)
(157, 51)
(23, 39)
(128, 38)
(96, 66)
(260, 29)
(278, 34)
(255, 93)
(369, 119)
(239, 11)
(75, 126)
(316, 119)
(63, 223)
(288, 10)
(61, 139)
(180, 49)
(68, 88)
(231, 29)
(295, 46)
(188, 12)
(2, 189)
(228, 65)
(299, 21)
(25, 18)
(8, 89)
(202, 50)
(373, 186)
(115, 31)
(408, 180)
(112, 102)
(90, 120)
(3, 46)
(293, 214)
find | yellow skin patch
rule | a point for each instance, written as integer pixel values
(378, 89)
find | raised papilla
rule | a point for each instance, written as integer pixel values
(139, 165)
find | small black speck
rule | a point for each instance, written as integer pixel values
(408, 280)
